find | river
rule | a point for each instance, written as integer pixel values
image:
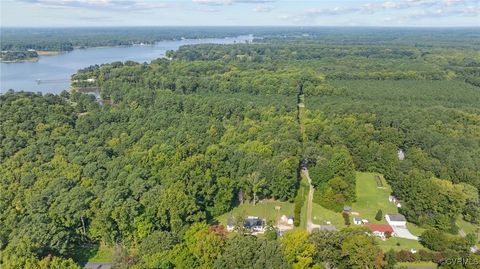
(54, 71)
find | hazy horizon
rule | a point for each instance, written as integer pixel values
(255, 13)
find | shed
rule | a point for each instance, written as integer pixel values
(396, 220)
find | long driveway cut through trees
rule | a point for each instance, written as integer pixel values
(310, 224)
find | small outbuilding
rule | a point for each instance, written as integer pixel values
(357, 221)
(396, 220)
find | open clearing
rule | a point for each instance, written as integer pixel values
(397, 244)
(263, 209)
(370, 198)
(416, 265)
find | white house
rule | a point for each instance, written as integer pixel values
(396, 220)
(381, 230)
(254, 224)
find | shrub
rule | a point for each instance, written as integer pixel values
(379, 215)
(405, 256)
(426, 256)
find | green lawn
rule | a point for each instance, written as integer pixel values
(303, 215)
(397, 244)
(104, 254)
(370, 198)
(94, 253)
(263, 209)
(467, 226)
(414, 229)
(320, 215)
(423, 265)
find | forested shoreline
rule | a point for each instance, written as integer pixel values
(180, 141)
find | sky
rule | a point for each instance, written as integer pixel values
(78, 13)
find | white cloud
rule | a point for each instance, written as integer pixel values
(404, 8)
(229, 2)
(213, 2)
(106, 5)
(262, 8)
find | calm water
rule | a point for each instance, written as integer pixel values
(56, 70)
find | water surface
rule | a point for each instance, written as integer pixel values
(54, 71)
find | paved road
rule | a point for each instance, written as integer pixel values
(310, 224)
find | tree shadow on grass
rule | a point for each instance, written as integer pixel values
(85, 253)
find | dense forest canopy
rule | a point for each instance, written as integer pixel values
(65, 39)
(184, 139)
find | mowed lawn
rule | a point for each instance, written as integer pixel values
(370, 198)
(321, 215)
(416, 265)
(263, 209)
(397, 244)
(94, 253)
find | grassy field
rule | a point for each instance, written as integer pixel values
(321, 215)
(103, 254)
(370, 198)
(467, 227)
(303, 215)
(263, 209)
(95, 253)
(417, 265)
(397, 244)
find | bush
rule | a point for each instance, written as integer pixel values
(426, 256)
(434, 239)
(405, 256)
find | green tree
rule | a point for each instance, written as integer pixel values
(204, 245)
(379, 215)
(360, 251)
(245, 251)
(298, 251)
